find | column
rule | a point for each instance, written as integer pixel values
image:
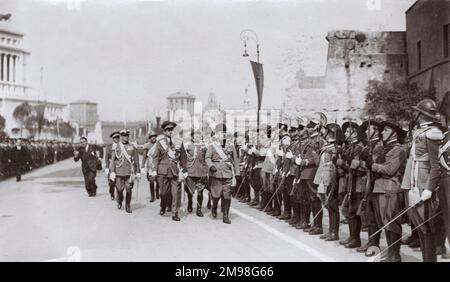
(14, 68)
(1, 67)
(18, 70)
(8, 67)
(5, 67)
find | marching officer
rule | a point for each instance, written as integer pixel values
(221, 159)
(88, 156)
(147, 163)
(422, 176)
(387, 187)
(193, 163)
(124, 168)
(110, 148)
(165, 168)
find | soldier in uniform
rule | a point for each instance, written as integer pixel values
(165, 168)
(88, 157)
(444, 159)
(328, 179)
(355, 180)
(110, 148)
(373, 151)
(147, 163)
(422, 176)
(267, 167)
(291, 208)
(387, 187)
(222, 162)
(192, 160)
(308, 161)
(124, 168)
(258, 160)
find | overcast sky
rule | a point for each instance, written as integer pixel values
(128, 55)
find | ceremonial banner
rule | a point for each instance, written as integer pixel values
(259, 80)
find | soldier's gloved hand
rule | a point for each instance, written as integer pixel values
(143, 171)
(289, 155)
(138, 175)
(112, 176)
(280, 153)
(339, 162)
(106, 170)
(185, 175)
(426, 195)
(213, 169)
(153, 174)
(298, 160)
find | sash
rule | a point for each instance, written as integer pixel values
(415, 160)
(166, 148)
(223, 156)
(442, 150)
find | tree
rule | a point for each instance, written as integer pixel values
(40, 119)
(22, 114)
(394, 100)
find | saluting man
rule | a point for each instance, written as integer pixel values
(165, 168)
(115, 136)
(88, 156)
(221, 159)
(124, 169)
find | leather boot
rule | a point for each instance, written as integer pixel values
(119, 199)
(427, 246)
(189, 208)
(263, 202)
(296, 217)
(152, 192)
(355, 240)
(128, 202)
(226, 218)
(175, 217)
(396, 244)
(199, 204)
(157, 190)
(214, 207)
(208, 205)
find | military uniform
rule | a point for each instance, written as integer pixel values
(222, 163)
(193, 162)
(147, 164)
(165, 164)
(423, 174)
(110, 148)
(309, 161)
(124, 169)
(387, 191)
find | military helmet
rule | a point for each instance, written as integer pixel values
(336, 130)
(401, 133)
(427, 107)
(361, 134)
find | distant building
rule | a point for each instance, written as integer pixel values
(354, 58)
(85, 114)
(14, 89)
(428, 44)
(180, 104)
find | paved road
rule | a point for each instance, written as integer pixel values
(48, 217)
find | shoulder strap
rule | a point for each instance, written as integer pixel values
(220, 152)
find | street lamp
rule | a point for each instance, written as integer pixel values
(246, 35)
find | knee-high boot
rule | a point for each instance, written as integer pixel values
(199, 204)
(226, 211)
(152, 191)
(215, 202)
(128, 202)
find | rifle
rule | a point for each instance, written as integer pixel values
(370, 177)
(244, 176)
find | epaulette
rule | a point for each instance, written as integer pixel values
(434, 134)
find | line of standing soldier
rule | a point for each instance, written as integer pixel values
(361, 172)
(22, 155)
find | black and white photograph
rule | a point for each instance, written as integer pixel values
(256, 132)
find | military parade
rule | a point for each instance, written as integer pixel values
(371, 176)
(109, 153)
